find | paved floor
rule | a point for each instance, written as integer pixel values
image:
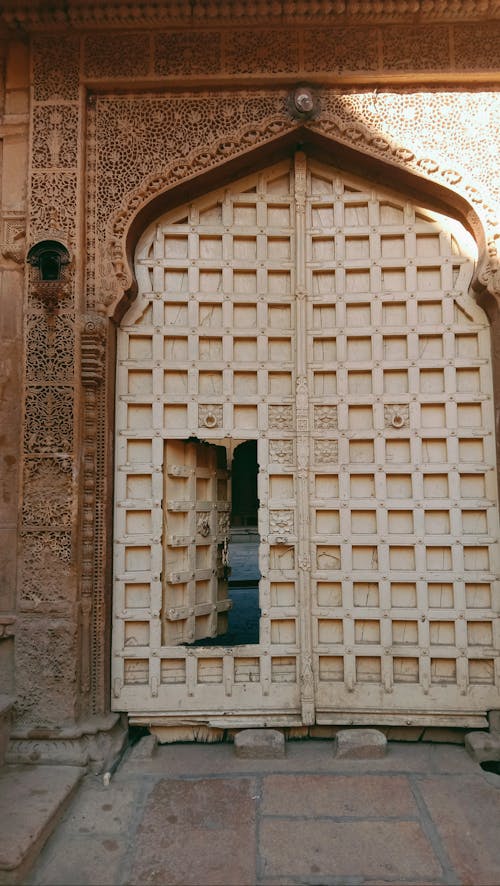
(196, 814)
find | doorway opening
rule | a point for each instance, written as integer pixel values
(243, 620)
(242, 571)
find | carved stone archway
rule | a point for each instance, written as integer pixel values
(145, 150)
(264, 126)
(344, 127)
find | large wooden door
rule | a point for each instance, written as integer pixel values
(331, 322)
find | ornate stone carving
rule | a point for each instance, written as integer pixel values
(7, 626)
(56, 67)
(44, 568)
(112, 13)
(93, 349)
(130, 154)
(50, 293)
(476, 49)
(267, 50)
(303, 103)
(116, 55)
(418, 120)
(14, 249)
(133, 137)
(184, 53)
(488, 271)
(419, 132)
(55, 136)
(53, 204)
(341, 49)
(93, 340)
(41, 508)
(428, 47)
(48, 648)
(49, 419)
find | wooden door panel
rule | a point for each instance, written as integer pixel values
(330, 321)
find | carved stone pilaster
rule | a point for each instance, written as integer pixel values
(93, 340)
(93, 348)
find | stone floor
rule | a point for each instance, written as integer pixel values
(196, 814)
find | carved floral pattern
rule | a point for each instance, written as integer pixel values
(476, 48)
(341, 49)
(44, 570)
(47, 492)
(325, 418)
(55, 136)
(427, 47)
(53, 204)
(223, 524)
(281, 452)
(280, 522)
(326, 451)
(51, 346)
(133, 136)
(266, 50)
(49, 419)
(56, 67)
(116, 55)
(281, 418)
(184, 53)
(203, 524)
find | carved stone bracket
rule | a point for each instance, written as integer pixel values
(51, 293)
(487, 277)
(15, 249)
(7, 626)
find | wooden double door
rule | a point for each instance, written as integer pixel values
(331, 322)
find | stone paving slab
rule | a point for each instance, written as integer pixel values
(31, 799)
(195, 815)
(362, 849)
(195, 832)
(338, 795)
(74, 860)
(466, 811)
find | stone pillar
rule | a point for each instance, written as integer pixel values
(13, 161)
(54, 711)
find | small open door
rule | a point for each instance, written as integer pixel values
(196, 527)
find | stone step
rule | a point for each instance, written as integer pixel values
(32, 800)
